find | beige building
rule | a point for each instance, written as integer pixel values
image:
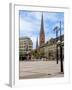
(25, 45)
(49, 48)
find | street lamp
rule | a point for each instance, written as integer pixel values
(56, 29)
(60, 43)
(61, 58)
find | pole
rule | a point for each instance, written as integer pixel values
(57, 46)
(61, 59)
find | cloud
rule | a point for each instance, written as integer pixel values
(53, 16)
(30, 23)
(29, 15)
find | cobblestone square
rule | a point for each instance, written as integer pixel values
(39, 69)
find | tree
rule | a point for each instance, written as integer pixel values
(21, 55)
(35, 54)
(42, 54)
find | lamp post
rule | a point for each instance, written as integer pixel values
(59, 43)
(56, 29)
(61, 58)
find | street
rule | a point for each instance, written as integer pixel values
(39, 69)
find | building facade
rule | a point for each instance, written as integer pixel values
(49, 49)
(25, 46)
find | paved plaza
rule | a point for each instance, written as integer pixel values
(39, 69)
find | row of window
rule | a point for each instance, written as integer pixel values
(25, 42)
(25, 46)
(23, 50)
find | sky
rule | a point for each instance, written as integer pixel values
(30, 24)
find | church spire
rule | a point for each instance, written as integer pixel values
(37, 43)
(42, 34)
(42, 25)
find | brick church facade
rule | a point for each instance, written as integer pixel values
(42, 33)
(47, 49)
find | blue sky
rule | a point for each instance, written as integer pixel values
(30, 23)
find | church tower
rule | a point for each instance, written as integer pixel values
(42, 34)
(37, 43)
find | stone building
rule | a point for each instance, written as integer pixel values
(49, 48)
(25, 46)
